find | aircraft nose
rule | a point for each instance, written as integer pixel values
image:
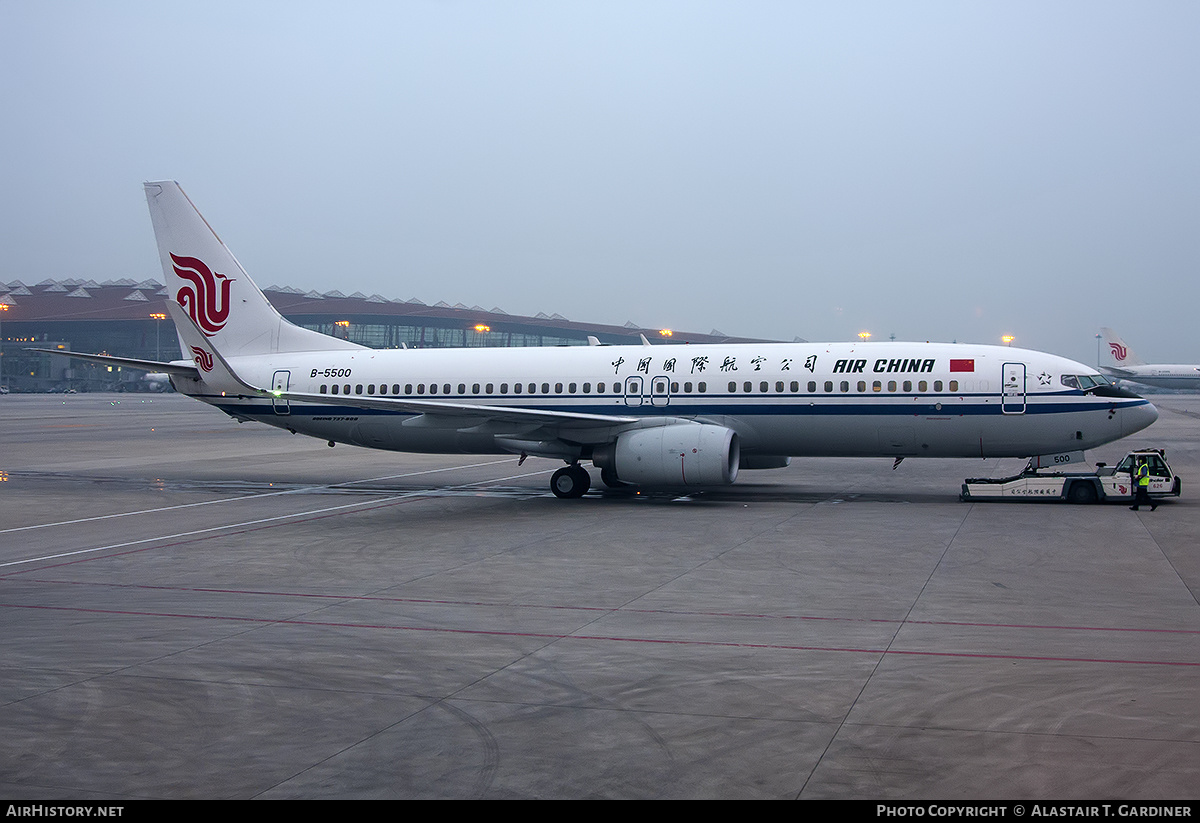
(1138, 417)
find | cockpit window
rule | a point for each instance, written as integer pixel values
(1083, 381)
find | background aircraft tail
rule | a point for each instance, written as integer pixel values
(207, 281)
(1118, 350)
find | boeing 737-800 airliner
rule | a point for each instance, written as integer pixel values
(1129, 366)
(661, 416)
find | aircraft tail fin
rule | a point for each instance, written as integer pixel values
(1119, 351)
(206, 280)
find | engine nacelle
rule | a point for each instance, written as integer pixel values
(684, 454)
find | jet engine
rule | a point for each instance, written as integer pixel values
(683, 454)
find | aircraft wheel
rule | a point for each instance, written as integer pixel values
(1082, 493)
(570, 482)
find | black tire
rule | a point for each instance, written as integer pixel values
(570, 482)
(1082, 493)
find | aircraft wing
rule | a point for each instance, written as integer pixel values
(467, 412)
(1113, 371)
(183, 369)
(520, 429)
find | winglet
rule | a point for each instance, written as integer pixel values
(214, 369)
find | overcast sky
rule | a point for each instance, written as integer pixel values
(933, 170)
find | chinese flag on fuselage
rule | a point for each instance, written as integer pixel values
(962, 365)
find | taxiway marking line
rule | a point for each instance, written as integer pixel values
(424, 601)
(264, 520)
(246, 497)
(268, 621)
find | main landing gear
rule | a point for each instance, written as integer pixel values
(570, 481)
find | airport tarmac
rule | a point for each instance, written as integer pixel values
(193, 608)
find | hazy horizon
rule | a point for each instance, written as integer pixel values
(933, 170)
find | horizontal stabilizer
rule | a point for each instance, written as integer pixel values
(182, 369)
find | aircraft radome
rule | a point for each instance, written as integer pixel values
(654, 416)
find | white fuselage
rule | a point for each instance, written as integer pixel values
(1164, 375)
(835, 399)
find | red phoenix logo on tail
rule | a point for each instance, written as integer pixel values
(206, 299)
(1119, 351)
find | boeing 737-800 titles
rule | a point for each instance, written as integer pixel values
(1132, 368)
(660, 416)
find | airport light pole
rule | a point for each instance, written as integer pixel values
(3, 309)
(158, 318)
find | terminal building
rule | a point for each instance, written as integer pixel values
(127, 318)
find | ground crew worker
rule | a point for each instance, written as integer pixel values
(1142, 484)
